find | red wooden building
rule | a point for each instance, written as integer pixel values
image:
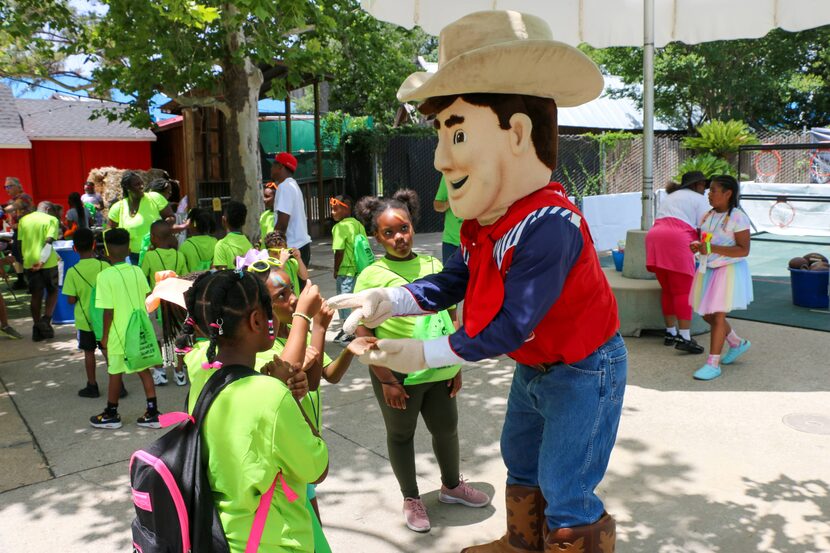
(52, 144)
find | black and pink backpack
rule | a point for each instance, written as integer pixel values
(174, 505)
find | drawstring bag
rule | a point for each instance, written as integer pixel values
(141, 349)
(363, 254)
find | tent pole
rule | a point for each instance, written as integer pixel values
(648, 115)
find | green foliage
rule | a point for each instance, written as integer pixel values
(372, 60)
(707, 164)
(336, 123)
(720, 138)
(613, 149)
(610, 139)
(779, 80)
(36, 36)
(374, 140)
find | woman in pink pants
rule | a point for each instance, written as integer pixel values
(669, 257)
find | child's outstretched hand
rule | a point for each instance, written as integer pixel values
(361, 345)
(695, 246)
(324, 316)
(310, 300)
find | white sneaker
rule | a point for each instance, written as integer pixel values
(159, 377)
(181, 378)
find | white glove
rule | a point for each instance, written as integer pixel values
(374, 306)
(404, 356)
(45, 253)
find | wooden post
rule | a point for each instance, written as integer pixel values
(189, 146)
(318, 144)
(288, 124)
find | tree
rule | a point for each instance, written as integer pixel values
(215, 53)
(373, 59)
(770, 82)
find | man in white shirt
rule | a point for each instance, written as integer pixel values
(289, 207)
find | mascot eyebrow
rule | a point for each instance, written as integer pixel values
(451, 121)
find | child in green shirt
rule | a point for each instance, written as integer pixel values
(36, 232)
(77, 287)
(163, 257)
(200, 245)
(234, 243)
(289, 259)
(267, 220)
(119, 290)
(342, 242)
(255, 431)
(431, 392)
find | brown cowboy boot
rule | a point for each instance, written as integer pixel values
(525, 524)
(599, 537)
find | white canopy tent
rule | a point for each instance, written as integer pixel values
(646, 23)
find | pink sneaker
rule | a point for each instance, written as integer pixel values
(463, 494)
(415, 515)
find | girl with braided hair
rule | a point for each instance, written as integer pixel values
(255, 428)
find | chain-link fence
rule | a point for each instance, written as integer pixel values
(801, 165)
(586, 166)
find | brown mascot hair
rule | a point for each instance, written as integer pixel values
(542, 113)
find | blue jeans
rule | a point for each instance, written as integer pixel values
(344, 284)
(560, 428)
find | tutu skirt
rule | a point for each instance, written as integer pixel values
(722, 289)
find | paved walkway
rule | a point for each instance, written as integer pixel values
(698, 467)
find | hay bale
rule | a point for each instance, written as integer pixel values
(107, 181)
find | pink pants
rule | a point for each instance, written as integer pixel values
(675, 296)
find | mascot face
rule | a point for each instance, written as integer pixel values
(486, 167)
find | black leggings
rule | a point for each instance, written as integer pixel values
(432, 400)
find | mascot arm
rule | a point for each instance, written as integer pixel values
(444, 289)
(542, 259)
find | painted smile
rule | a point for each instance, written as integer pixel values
(459, 183)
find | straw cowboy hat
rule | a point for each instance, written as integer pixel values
(506, 52)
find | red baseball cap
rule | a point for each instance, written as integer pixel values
(286, 160)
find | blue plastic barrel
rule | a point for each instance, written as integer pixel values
(810, 288)
(65, 313)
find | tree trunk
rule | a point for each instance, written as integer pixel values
(241, 84)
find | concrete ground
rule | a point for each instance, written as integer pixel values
(699, 467)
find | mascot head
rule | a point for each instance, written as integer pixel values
(493, 101)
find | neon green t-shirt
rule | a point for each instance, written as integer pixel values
(162, 259)
(138, 225)
(32, 231)
(232, 245)
(121, 288)
(266, 225)
(199, 376)
(385, 273)
(452, 224)
(253, 430)
(342, 236)
(198, 251)
(78, 282)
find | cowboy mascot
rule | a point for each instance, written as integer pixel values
(527, 272)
